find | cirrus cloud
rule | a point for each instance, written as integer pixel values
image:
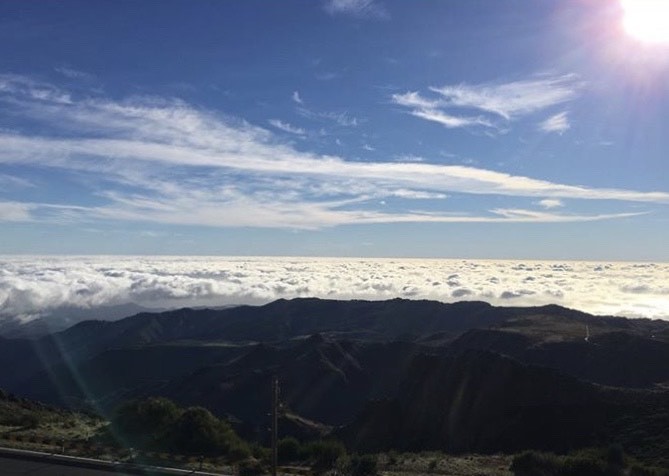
(163, 160)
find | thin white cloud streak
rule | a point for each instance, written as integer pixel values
(448, 120)
(550, 203)
(506, 101)
(558, 123)
(517, 98)
(74, 74)
(430, 111)
(342, 119)
(22, 86)
(286, 127)
(260, 156)
(371, 9)
(30, 286)
(296, 97)
(145, 142)
(7, 181)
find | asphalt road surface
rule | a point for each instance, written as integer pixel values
(16, 467)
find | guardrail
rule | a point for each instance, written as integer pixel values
(92, 463)
(54, 446)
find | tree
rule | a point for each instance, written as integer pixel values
(144, 423)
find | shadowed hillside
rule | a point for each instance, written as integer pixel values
(389, 374)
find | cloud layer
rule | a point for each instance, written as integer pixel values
(30, 286)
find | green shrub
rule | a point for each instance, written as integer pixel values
(533, 463)
(583, 463)
(157, 424)
(144, 423)
(324, 454)
(289, 450)
(198, 432)
(365, 465)
(260, 452)
(250, 468)
(582, 466)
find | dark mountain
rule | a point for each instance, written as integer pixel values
(62, 318)
(323, 380)
(622, 355)
(477, 401)
(399, 374)
(281, 320)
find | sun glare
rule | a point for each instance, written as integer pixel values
(647, 20)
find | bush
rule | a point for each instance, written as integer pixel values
(615, 457)
(324, 454)
(533, 463)
(157, 424)
(260, 452)
(289, 450)
(198, 432)
(239, 451)
(250, 468)
(585, 463)
(24, 419)
(365, 465)
(582, 466)
(144, 423)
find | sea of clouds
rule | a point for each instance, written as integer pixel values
(31, 287)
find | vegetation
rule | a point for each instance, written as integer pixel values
(594, 462)
(157, 424)
(20, 417)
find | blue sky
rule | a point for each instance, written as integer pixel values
(477, 129)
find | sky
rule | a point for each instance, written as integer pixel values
(498, 129)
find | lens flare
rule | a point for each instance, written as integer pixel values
(647, 20)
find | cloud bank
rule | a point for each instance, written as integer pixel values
(31, 286)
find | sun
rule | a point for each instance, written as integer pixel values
(647, 20)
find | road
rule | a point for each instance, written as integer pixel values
(24, 463)
(12, 467)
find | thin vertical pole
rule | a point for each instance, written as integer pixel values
(275, 422)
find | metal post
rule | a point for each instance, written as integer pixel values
(275, 422)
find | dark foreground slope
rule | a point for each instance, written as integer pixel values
(479, 401)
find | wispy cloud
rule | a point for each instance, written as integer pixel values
(74, 73)
(296, 97)
(286, 127)
(493, 102)
(370, 9)
(185, 165)
(512, 99)
(549, 203)
(557, 123)
(342, 118)
(7, 181)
